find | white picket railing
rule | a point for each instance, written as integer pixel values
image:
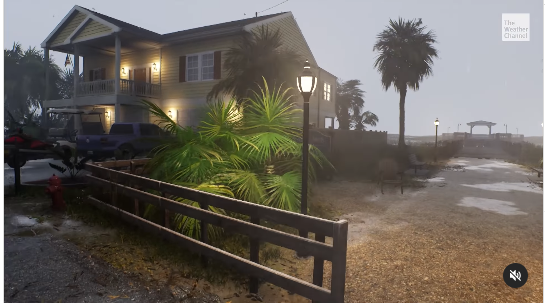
(127, 87)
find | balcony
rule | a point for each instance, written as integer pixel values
(126, 87)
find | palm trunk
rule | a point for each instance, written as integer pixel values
(402, 95)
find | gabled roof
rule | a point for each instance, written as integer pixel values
(232, 26)
(200, 32)
(126, 26)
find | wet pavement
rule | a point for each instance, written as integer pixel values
(40, 265)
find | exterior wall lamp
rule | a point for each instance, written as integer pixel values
(154, 66)
(123, 71)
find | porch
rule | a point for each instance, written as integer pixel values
(121, 62)
(126, 87)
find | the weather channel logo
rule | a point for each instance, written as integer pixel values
(515, 27)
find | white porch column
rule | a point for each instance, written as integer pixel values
(117, 63)
(76, 70)
(77, 118)
(117, 77)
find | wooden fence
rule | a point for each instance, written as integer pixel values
(126, 181)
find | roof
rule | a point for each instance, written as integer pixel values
(234, 26)
(481, 122)
(237, 25)
(126, 26)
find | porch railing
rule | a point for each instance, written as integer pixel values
(144, 89)
(101, 87)
(127, 87)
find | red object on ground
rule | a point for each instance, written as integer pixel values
(55, 190)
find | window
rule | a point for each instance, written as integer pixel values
(200, 67)
(149, 130)
(328, 123)
(208, 66)
(193, 68)
(327, 92)
(121, 129)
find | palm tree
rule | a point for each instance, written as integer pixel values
(254, 157)
(406, 54)
(257, 55)
(349, 106)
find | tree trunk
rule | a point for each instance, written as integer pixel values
(402, 95)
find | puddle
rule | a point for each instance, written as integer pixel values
(436, 179)
(497, 206)
(23, 221)
(506, 187)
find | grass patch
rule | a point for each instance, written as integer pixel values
(136, 251)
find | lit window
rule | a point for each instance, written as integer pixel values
(327, 92)
(200, 67)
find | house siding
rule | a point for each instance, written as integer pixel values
(69, 28)
(129, 61)
(92, 28)
(293, 39)
(327, 108)
(172, 88)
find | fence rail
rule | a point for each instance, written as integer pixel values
(126, 182)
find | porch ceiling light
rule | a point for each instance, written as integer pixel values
(436, 122)
(306, 82)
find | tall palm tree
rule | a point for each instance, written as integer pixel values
(405, 58)
(257, 55)
(349, 105)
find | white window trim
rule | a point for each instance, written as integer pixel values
(200, 65)
(147, 66)
(327, 94)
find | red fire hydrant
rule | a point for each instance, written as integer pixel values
(55, 191)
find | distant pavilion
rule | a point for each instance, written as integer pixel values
(481, 123)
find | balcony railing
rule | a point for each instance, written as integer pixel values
(127, 87)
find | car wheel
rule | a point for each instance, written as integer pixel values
(125, 152)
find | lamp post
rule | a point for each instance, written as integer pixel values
(517, 130)
(505, 128)
(436, 122)
(459, 127)
(306, 83)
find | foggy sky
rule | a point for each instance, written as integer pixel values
(476, 77)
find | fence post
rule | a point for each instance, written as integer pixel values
(132, 169)
(254, 256)
(204, 233)
(17, 170)
(318, 271)
(338, 263)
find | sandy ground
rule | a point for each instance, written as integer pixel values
(447, 242)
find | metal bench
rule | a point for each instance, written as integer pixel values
(415, 163)
(539, 171)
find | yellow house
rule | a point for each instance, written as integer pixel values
(123, 64)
